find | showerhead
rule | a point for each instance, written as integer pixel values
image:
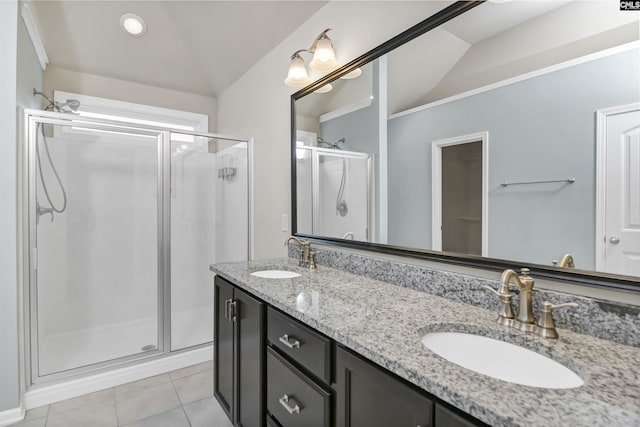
(70, 106)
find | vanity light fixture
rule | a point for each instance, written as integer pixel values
(324, 59)
(297, 75)
(133, 25)
(352, 74)
(324, 89)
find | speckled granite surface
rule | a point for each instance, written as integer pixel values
(385, 323)
(603, 319)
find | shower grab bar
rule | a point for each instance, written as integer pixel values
(568, 180)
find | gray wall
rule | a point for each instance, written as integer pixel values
(359, 128)
(539, 129)
(9, 355)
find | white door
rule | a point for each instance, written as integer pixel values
(622, 193)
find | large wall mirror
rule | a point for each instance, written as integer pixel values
(505, 134)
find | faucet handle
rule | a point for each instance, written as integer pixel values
(489, 288)
(505, 314)
(312, 260)
(546, 325)
(524, 271)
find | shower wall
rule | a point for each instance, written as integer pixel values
(329, 221)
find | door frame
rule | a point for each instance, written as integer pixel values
(436, 186)
(601, 178)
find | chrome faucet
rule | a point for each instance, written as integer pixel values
(525, 321)
(307, 256)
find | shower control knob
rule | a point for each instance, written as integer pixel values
(614, 240)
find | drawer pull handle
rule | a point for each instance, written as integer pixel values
(284, 401)
(287, 341)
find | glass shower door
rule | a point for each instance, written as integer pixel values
(209, 224)
(96, 198)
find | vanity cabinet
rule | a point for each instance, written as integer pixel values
(270, 368)
(445, 417)
(239, 354)
(366, 395)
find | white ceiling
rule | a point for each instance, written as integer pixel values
(199, 47)
(492, 18)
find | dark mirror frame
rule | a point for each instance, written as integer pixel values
(582, 277)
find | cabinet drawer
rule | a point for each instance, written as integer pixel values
(306, 347)
(292, 398)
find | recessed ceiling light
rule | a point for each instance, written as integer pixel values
(133, 25)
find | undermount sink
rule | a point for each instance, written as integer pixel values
(501, 360)
(275, 274)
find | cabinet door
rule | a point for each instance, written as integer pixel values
(366, 395)
(448, 418)
(223, 347)
(249, 314)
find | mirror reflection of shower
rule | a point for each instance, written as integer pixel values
(341, 205)
(71, 106)
(331, 179)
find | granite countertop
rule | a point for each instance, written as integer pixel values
(385, 324)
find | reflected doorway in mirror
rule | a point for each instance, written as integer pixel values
(618, 193)
(459, 194)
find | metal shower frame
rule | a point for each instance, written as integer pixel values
(28, 229)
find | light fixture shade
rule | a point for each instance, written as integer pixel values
(297, 75)
(324, 58)
(324, 89)
(352, 75)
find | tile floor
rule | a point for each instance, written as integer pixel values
(182, 398)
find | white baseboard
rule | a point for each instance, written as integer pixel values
(11, 416)
(46, 394)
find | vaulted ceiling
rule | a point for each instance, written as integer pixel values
(199, 47)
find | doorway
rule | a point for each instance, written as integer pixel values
(618, 190)
(459, 194)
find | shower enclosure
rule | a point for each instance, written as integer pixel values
(334, 193)
(121, 222)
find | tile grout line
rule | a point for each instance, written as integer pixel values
(180, 400)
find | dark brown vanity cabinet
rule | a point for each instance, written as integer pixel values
(369, 396)
(238, 380)
(270, 368)
(446, 417)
